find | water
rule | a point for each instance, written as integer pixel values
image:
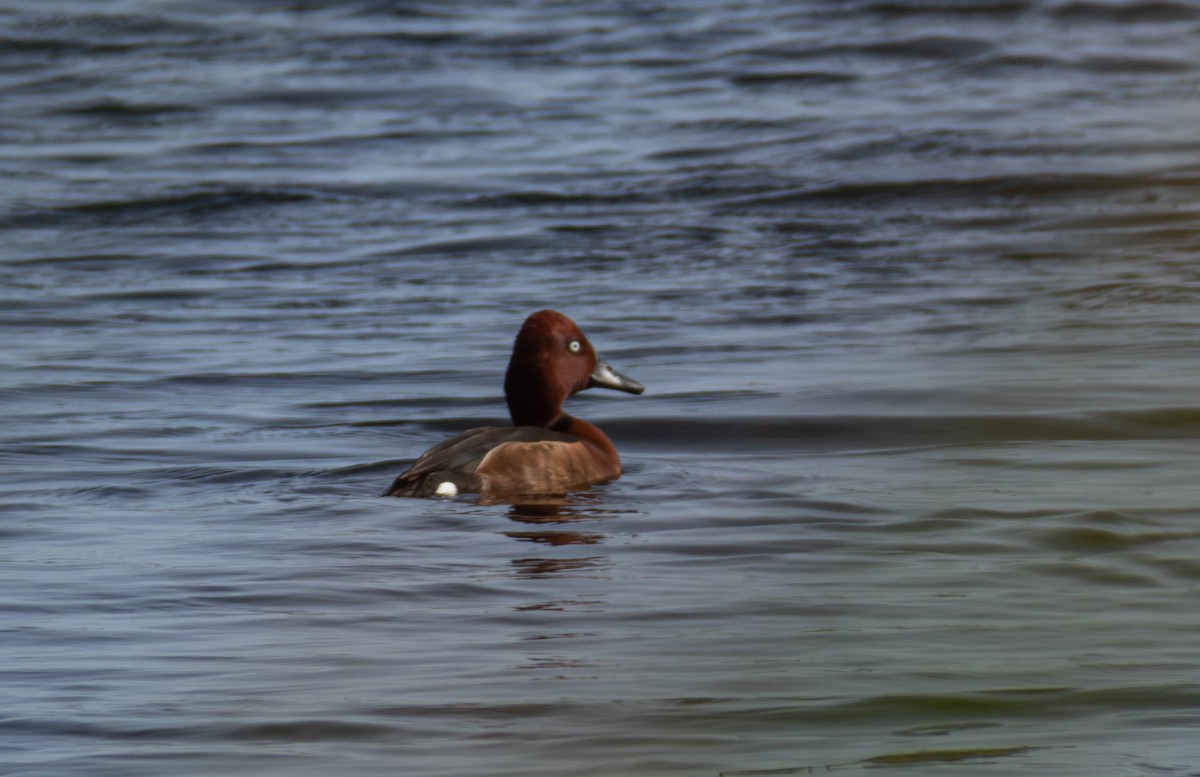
(912, 286)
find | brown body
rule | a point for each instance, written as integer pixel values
(546, 451)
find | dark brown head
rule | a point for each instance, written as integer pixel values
(551, 360)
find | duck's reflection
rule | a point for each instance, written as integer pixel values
(557, 537)
(546, 521)
(553, 515)
(549, 566)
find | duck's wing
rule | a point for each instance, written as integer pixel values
(456, 459)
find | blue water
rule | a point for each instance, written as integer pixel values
(912, 286)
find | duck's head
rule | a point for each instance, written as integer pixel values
(551, 360)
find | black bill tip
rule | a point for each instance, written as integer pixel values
(604, 376)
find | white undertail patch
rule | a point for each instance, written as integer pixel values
(446, 489)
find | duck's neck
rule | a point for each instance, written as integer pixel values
(534, 413)
(531, 402)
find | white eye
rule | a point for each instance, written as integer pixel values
(574, 346)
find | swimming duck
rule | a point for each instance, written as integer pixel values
(545, 451)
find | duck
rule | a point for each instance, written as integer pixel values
(545, 451)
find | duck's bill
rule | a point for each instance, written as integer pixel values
(604, 376)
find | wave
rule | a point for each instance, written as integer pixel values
(924, 191)
(196, 203)
(1149, 11)
(111, 109)
(948, 8)
(878, 432)
(792, 77)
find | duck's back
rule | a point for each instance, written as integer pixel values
(496, 459)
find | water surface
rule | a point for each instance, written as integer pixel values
(912, 286)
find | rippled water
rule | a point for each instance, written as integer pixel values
(912, 286)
